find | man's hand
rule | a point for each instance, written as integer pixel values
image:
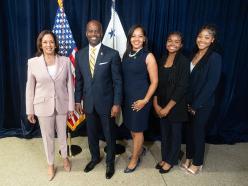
(31, 118)
(115, 110)
(78, 108)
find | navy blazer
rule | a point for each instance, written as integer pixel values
(105, 88)
(204, 79)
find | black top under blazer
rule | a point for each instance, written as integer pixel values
(175, 88)
(105, 88)
(204, 79)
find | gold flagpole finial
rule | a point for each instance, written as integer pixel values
(60, 2)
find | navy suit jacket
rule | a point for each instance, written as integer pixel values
(105, 88)
(204, 79)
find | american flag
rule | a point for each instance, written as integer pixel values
(67, 47)
(61, 28)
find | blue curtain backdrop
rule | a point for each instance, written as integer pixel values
(21, 21)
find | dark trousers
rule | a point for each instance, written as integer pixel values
(95, 121)
(170, 140)
(195, 136)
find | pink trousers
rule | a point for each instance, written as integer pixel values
(48, 126)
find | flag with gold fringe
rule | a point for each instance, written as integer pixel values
(67, 47)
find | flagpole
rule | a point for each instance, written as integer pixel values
(113, 14)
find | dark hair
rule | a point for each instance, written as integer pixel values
(176, 33)
(213, 46)
(39, 42)
(211, 28)
(129, 36)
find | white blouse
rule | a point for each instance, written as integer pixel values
(52, 70)
(191, 66)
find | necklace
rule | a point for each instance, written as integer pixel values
(134, 54)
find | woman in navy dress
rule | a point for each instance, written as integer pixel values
(140, 82)
(205, 73)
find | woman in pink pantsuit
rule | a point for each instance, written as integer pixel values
(50, 96)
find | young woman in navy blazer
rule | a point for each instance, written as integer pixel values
(205, 73)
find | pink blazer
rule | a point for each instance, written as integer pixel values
(44, 94)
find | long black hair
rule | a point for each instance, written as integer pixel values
(215, 46)
(129, 36)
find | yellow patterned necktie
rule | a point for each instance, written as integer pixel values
(92, 60)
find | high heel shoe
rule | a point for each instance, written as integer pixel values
(51, 174)
(67, 165)
(128, 170)
(143, 153)
(195, 172)
(184, 166)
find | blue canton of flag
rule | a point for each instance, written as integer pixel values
(63, 32)
(61, 29)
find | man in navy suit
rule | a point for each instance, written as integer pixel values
(99, 84)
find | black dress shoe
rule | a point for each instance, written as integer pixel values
(110, 170)
(91, 165)
(162, 171)
(128, 170)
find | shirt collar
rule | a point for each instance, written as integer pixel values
(97, 47)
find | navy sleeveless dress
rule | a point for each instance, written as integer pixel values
(136, 83)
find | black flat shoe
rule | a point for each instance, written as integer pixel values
(91, 165)
(162, 171)
(158, 166)
(128, 170)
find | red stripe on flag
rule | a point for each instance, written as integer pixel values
(72, 60)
